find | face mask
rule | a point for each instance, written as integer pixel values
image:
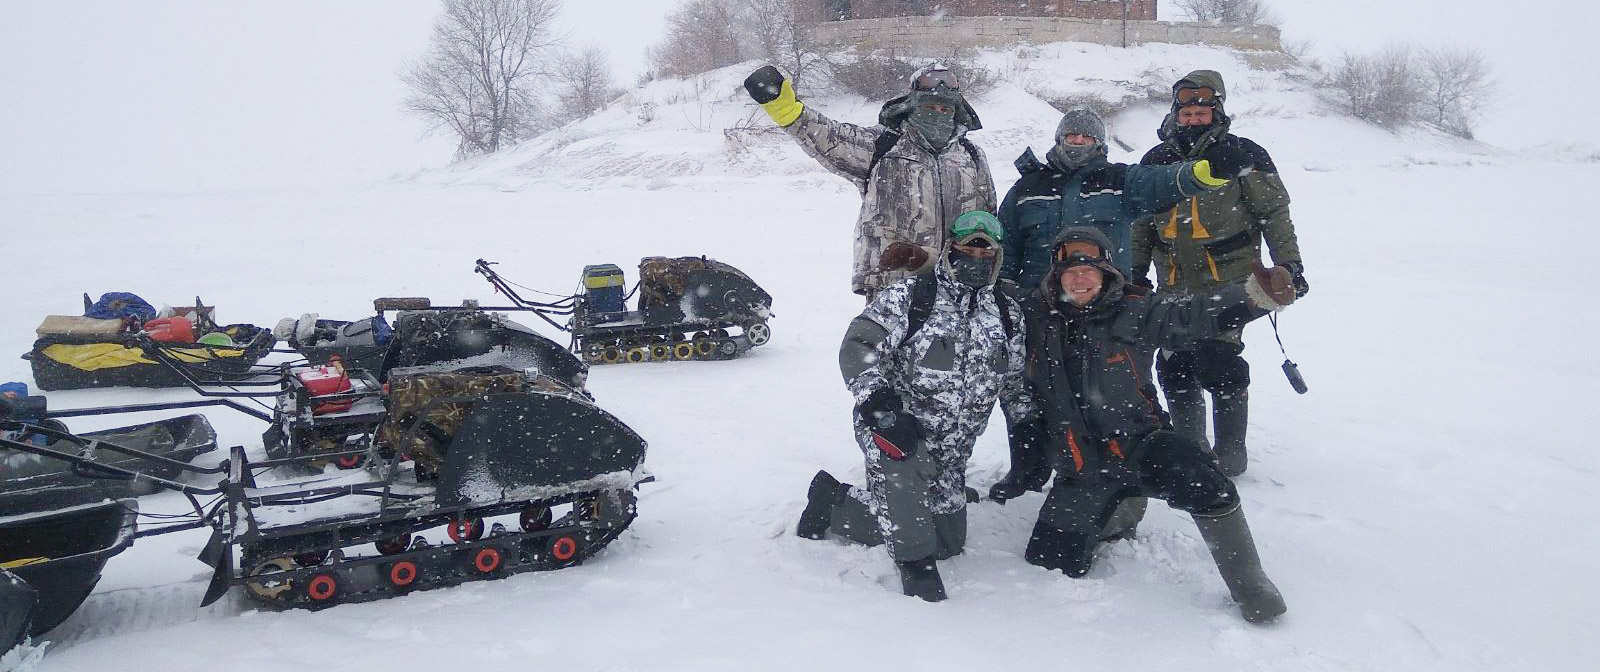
(1068, 157)
(935, 127)
(1191, 134)
(971, 271)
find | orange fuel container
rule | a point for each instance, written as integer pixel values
(170, 330)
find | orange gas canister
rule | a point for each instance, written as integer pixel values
(170, 330)
(326, 380)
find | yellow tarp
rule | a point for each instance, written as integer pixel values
(97, 356)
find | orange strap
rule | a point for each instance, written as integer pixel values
(1072, 446)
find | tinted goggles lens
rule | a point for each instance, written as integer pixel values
(932, 79)
(1201, 96)
(1079, 253)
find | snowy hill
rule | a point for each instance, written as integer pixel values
(1428, 506)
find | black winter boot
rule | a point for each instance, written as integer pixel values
(814, 521)
(1229, 415)
(1233, 549)
(920, 578)
(1050, 548)
(1030, 468)
(1188, 410)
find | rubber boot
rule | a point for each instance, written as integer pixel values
(920, 578)
(1030, 469)
(814, 521)
(1229, 415)
(1233, 549)
(1188, 410)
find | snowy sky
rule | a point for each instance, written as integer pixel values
(190, 95)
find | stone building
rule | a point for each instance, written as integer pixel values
(1140, 10)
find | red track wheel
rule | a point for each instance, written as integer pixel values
(322, 588)
(403, 573)
(487, 560)
(349, 461)
(564, 548)
(465, 529)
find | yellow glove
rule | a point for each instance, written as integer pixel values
(1202, 172)
(773, 91)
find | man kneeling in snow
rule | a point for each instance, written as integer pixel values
(925, 361)
(1090, 342)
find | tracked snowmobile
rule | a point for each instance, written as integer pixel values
(448, 448)
(686, 309)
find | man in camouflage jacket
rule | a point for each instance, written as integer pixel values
(1205, 242)
(943, 379)
(916, 187)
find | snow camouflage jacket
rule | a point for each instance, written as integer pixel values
(948, 374)
(912, 194)
(1214, 238)
(1089, 367)
(1107, 196)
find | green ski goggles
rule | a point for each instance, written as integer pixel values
(977, 221)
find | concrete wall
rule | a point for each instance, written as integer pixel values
(929, 37)
(1082, 9)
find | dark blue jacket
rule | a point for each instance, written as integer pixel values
(1107, 196)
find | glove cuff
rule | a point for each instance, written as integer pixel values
(1202, 172)
(784, 109)
(1258, 295)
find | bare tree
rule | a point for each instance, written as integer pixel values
(1229, 12)
(1455, 82)
(584, 84)
(701, 35)
(1383, 88)
(476, 78)
(781, 30)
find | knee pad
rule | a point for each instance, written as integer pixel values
(1051, 548)
(1220, 368)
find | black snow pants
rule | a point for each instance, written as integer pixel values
(1169, 466)
(1214, 365)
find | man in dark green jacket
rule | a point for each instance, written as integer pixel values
(1207, 241)
(1089, 345)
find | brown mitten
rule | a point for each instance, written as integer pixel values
(902, 256)
(1271, 288)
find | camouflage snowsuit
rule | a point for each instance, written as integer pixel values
(948, 375)
(912, 194)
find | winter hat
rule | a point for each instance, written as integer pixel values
(1078, 122)
(1201, 79)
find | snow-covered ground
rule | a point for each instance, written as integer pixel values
(1428, 506)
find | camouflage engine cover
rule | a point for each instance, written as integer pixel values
(427, 408)
(698, 289)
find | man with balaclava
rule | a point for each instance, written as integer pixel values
(925, 362)
(1089, 342)
(916, 170)
(1076, 186)
(1206, 241)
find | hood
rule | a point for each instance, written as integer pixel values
(1110, 292)
(1168, 132)
(895, 111)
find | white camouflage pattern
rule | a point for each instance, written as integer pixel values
(948, 375)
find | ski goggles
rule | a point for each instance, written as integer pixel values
(929, 80)
(977, 222)
(1077, 252)
(1204, 95)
